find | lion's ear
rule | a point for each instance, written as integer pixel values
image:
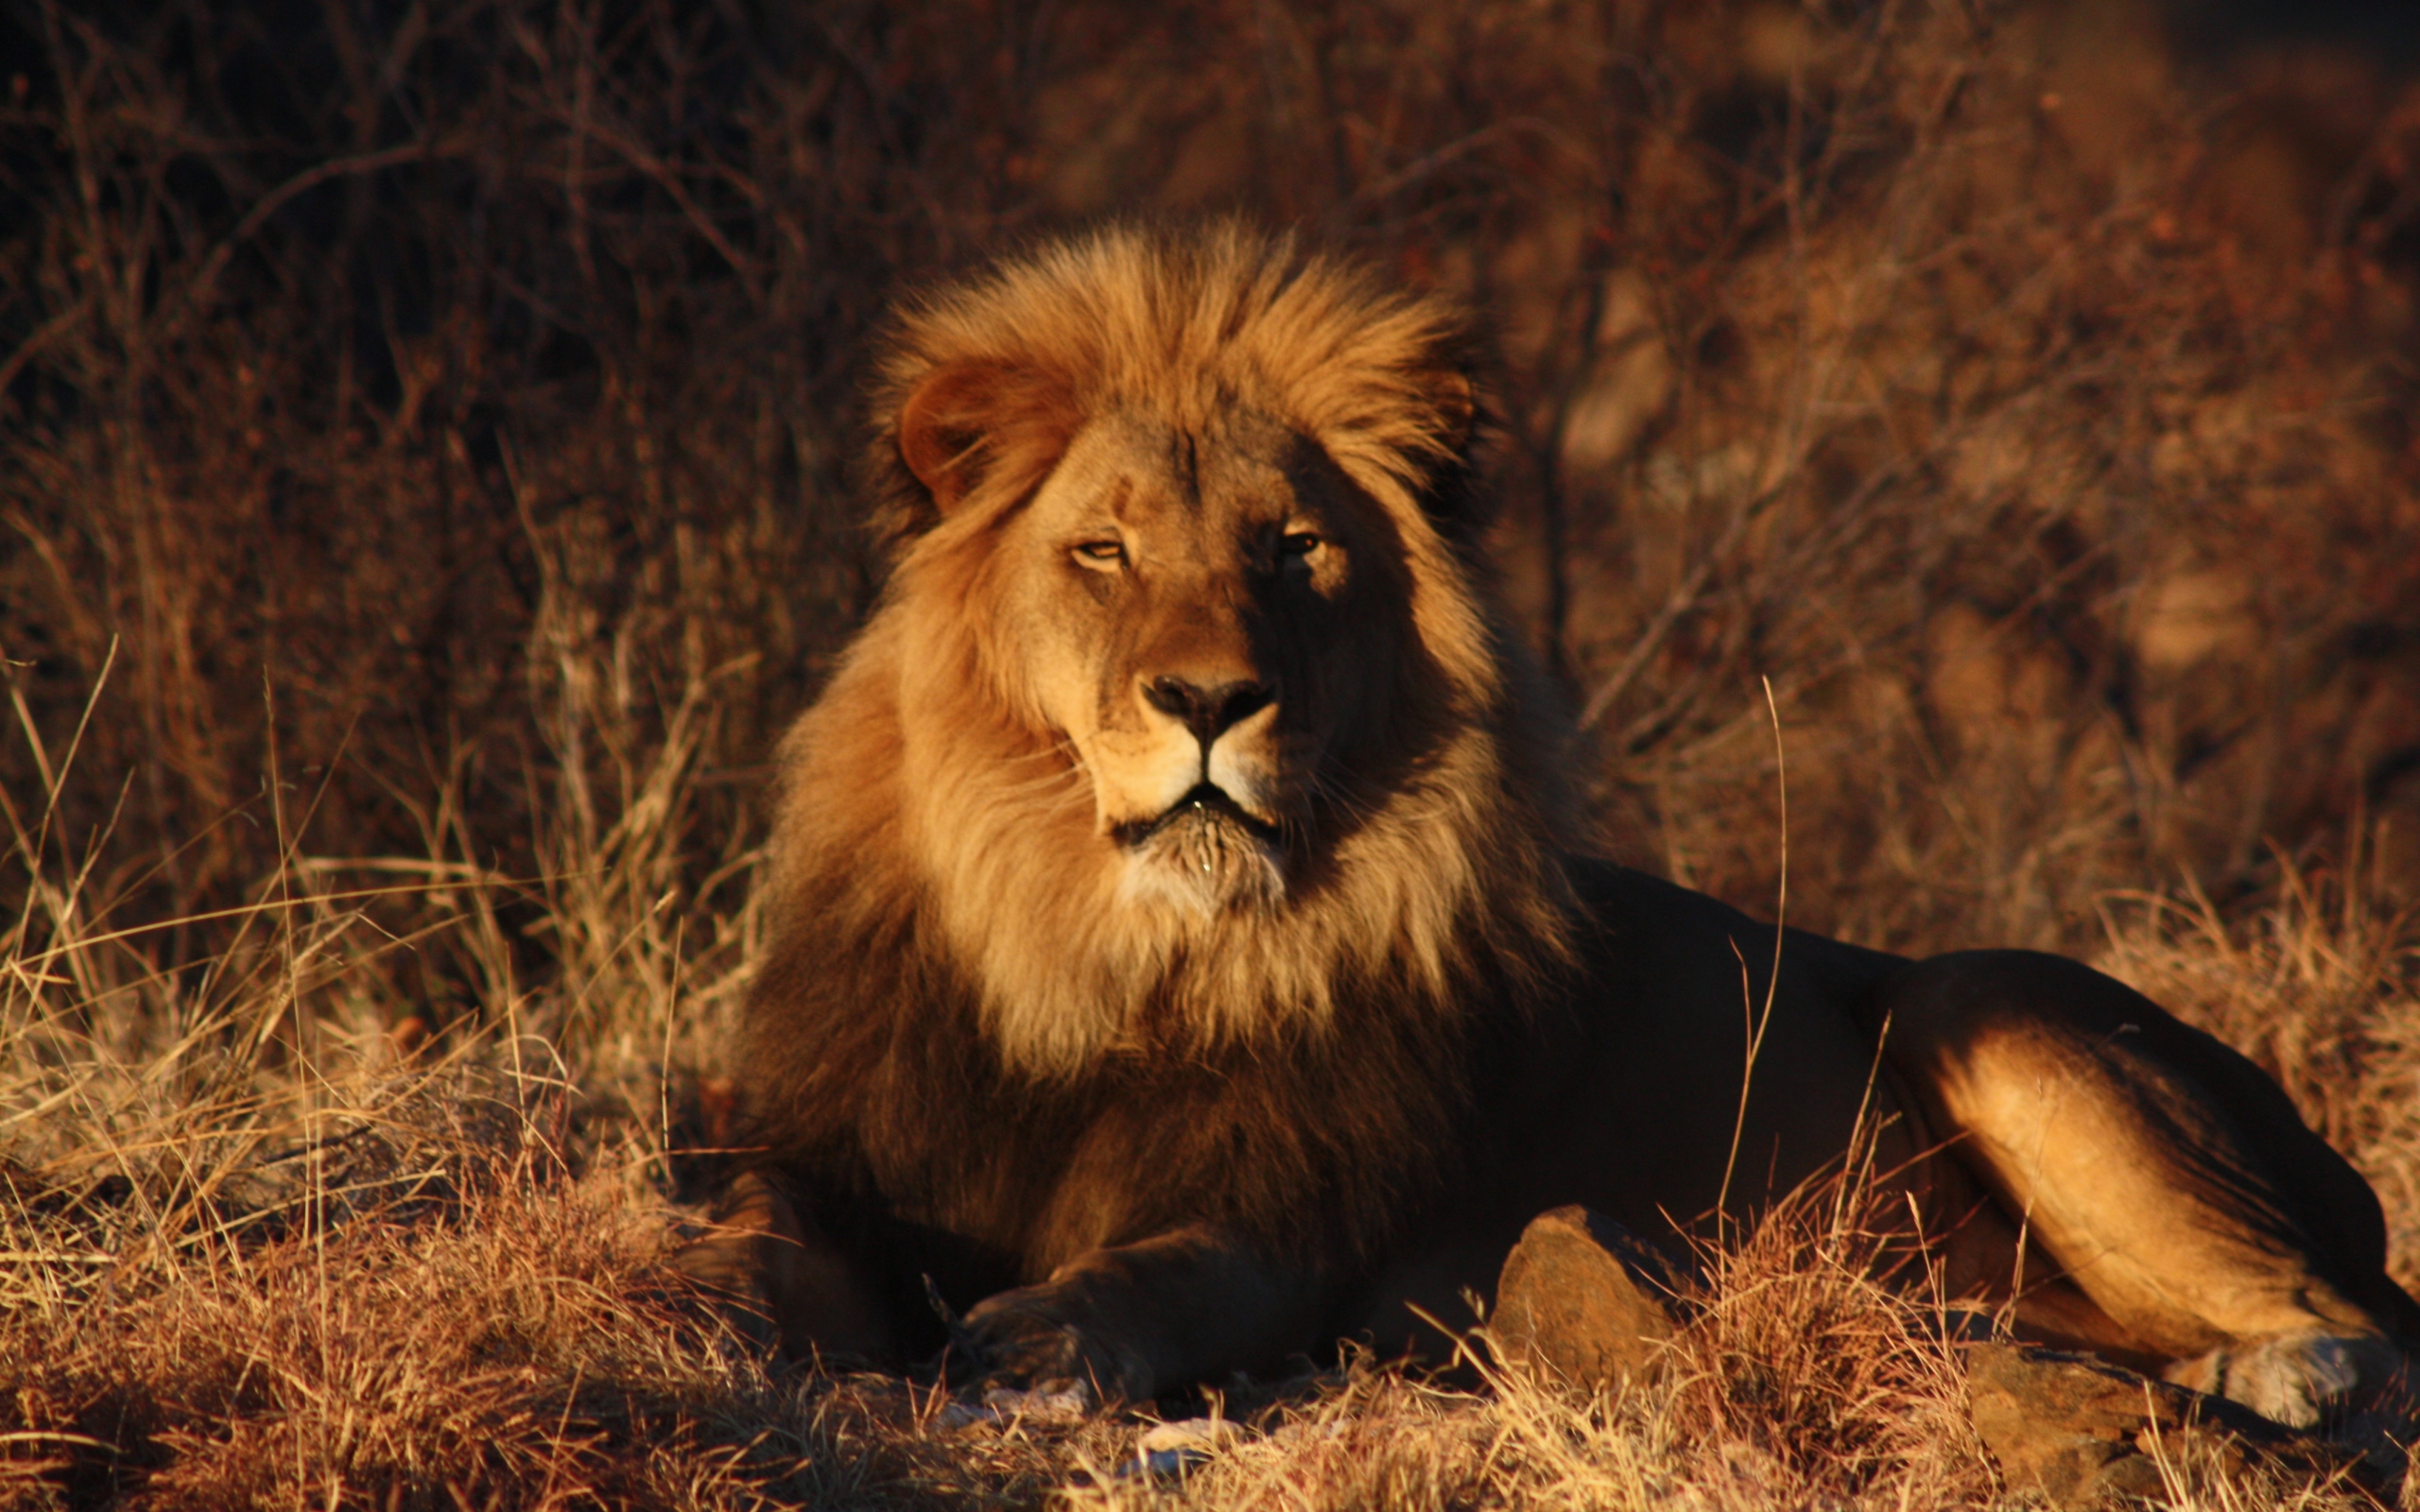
(964, 424)
(1449, 495)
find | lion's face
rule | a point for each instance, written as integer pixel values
(1186, 718)
(1190, 608)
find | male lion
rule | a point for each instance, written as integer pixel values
(1176, 955)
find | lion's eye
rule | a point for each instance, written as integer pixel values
(1100, 553)
(1298, 544)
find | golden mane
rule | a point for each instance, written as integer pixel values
(925, 771)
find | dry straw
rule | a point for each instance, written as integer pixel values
(422, 439)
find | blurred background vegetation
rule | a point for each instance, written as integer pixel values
(426, 425)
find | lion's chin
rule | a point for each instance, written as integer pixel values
(1203, 861)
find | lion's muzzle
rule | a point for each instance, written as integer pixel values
(1206, 854)
(1208, 839)
(1207, 711)
(1208, 804)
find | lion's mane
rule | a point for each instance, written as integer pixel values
(958, 1011)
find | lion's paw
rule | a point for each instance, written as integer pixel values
(2294, 1379)
(1018, 1339)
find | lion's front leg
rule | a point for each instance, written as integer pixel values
(779, 1267)
(1132, 1320)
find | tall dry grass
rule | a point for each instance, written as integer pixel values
(425, 436)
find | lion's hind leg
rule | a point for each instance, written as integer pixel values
(2169, 1182)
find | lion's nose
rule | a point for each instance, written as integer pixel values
(1208, 711)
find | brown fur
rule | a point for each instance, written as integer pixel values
(1176, 954)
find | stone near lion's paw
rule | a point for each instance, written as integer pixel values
(1006, 1406)
(2083, 1432)
(1058, 1402)
(1583, 1302)
(1172, 1448)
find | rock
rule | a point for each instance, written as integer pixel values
(1203, 1435)
(1006, 1405)
(1171, 1449)
(2083, 1432)
(1583, 1302)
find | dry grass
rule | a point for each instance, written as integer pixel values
(423, 439)
(238, 1274)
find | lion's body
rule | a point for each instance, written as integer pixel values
(1176, 953)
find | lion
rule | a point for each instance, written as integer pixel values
(1179, 960)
